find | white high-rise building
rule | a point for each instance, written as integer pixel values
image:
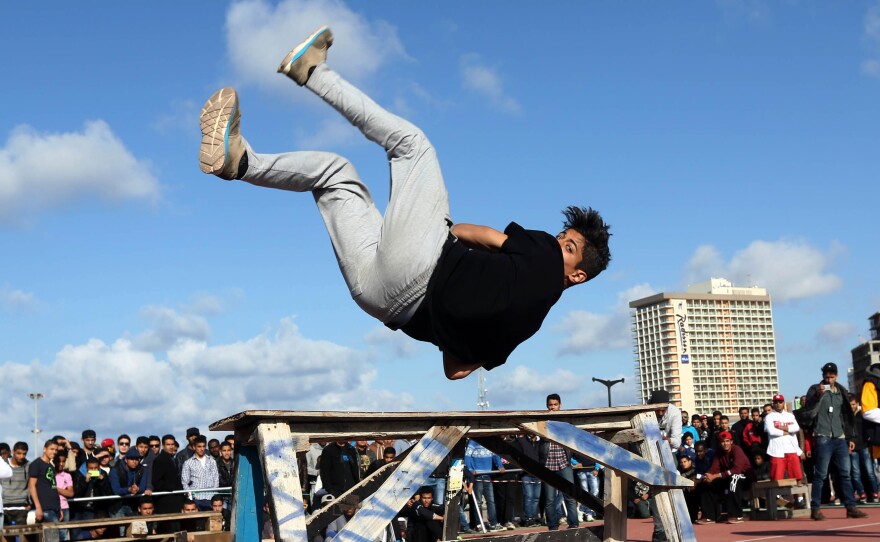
(712, 347)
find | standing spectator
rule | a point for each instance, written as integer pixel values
(214, 448)
(339, 468)
(5, 474)
(833, 436)
(15, 488)
(739, 427)
(64, 484)
(588, 476)
(558, 459)
(42, 487)
(754, 439)
(225, 465)
(231, 440)
(200, 472)
(166, 477)
(363, 456)
(479, 461)
(669, 418)
(871, 412)
(127, 479)
(191, 435)
(377, 448)
(724, 427)
(313, 460)
(5, 451)
(123, 444)
(728, 477)
(860, 457)
(94, 483)
(109, 445)
(508, 493)
(687, 427)
(704, 428)
(782, 428)
(389, 454)
(531, 485)
(88, 444)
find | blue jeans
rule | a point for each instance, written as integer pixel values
(825, 451)
(553, 503)
(483, 488)
(589, 483)
(531, 496)
(861, 459)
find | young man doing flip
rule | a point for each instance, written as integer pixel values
(473, 291)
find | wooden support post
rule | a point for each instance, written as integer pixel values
(606, 453)
(670, 504)
(247, 503)
(616, 489)
(278, 447)
(573, 490)
(382, 506)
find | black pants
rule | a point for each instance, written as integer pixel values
(717, 494)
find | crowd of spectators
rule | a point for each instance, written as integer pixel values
(68, 480)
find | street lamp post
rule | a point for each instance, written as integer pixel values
(36, 397)
(608, 383)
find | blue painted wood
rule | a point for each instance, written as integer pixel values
(377, 511)
(612, 456)
(247, 501)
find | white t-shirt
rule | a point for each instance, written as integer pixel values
(781, 442)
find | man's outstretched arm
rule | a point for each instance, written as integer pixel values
(479, 237)
(455, 369)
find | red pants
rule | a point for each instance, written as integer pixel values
(790, 463)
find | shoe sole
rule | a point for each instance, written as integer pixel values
(300, 49)
(215, 121)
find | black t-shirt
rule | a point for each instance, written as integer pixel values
(47, 491)
(480, 305)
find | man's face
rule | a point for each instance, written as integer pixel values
(727, 444)
(553, 404)
(725, 424)
(830, 378)
(142, 448)
(700, 451)
(200, 448)
(215, 449)
(217, 506)
(388, 458)
(778, 406)
(717, 420)
(768, 409)
(189, 508)
(155, 446)
(660, 412)
(361, 444)
(743, 414)
(168, 445)
(854, 405)
(427, 499)
(685, 418)
(572, 244)
(50, 451)
(756, 416)
(132, 463)
(89, 443)
(685, 462)
(19, 456)
(697, 423)
(123, 444)
(105, 460)
(226, 452)
(5, 454)
(146, 509)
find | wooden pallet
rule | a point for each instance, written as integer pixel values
(268, 441)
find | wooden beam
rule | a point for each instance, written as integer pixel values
(581, 534)
(606, 453)
(627, 436)
(616, 489)
(378, 510)
(573, 490)
(451, 521)
(278, 447)
(670, 504)
(247, 502)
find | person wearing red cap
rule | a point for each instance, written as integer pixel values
(725, 482)
(782, 428)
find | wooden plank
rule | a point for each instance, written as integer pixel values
(366, 487)
(247, 502)
(451, 522)
(582, 534)
(616, 488)
(382, 506)
(110, 522)
(606, 453)
(278, 447)
(670, 504)
(627, 436)
(569, 489)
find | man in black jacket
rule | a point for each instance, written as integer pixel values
(339, 468)
(528, 446)
(166, 477)
(832, 417)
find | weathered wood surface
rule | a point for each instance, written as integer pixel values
(378, 510)
(451, 522)
(582, 534)
(616, 490)
(670, 504)
(278, 447)
(569, 489)
(606, 453)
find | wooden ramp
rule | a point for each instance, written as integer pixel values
(268, 441)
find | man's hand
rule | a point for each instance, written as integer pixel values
(709, 477)
(479, 237)
(38, 514)
(852, 446)
(148, 492)
(133, 489)
(455, 369)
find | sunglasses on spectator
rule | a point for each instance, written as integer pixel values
(154, 445)
(125, 443)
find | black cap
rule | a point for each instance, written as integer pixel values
(89, 433)
(659, 397)
(192, 432)
(829, 368)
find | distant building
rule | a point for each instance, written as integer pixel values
(866, 353)
(712, 348)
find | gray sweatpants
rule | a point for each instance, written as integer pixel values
(386, 261)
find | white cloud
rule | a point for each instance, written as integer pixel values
(330, 133)
(835, 332)
(183, 115)
(484, 80)
(587, 331)
(258, 35)
(401, 344)
(510, 387)
(121, 387)
(15, 300)
(871, 66)
(40, 171)
(790, 270)
(171, 328)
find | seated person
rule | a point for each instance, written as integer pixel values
(427, 518)
(729, 476)
(687, 470)
(145, 508)
(348, 506)
(639, 495)
(217, 506)
(760, 466)
(191, 525)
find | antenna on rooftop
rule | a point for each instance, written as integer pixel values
(482, 391)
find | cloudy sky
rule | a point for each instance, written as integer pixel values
(729, 138)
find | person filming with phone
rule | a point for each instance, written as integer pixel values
(832, 422)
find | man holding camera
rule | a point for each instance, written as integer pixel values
(828, 407)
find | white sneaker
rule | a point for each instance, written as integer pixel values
(588, 518)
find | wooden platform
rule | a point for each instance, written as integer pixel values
(788, 489)
(268, 441)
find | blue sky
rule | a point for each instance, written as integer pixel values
(734, 139)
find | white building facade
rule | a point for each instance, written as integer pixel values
(712, 347)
